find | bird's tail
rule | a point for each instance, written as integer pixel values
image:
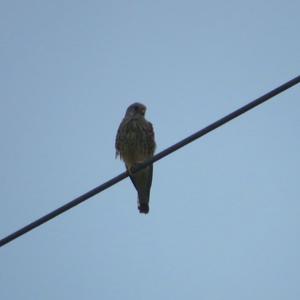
(143, 204)
(142, 182)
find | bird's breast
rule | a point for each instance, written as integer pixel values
(135, 145)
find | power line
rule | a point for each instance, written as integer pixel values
(155, 158)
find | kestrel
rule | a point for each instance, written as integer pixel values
(134, 144)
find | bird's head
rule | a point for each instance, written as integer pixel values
(136, 109)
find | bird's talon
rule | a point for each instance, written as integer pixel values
(134, 167)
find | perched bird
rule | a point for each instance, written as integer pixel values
(134, 144)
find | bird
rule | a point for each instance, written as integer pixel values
(135, 143)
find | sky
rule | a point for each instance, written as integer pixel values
(224, 211)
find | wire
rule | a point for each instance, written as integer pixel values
(152, 160)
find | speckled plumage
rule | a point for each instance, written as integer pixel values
(134, 144)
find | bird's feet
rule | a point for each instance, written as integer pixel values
(134, 167)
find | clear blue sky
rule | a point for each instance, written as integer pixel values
(224, 220)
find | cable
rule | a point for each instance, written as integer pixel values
(154, 159)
